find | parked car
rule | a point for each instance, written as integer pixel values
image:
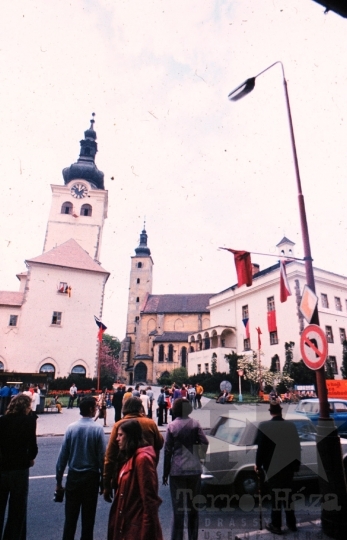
(232, 450)
(337, 407)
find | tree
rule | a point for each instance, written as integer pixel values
(288, 348)
(344, 359)
(214, 365)
(274, 363)
(232, 360)
(113, 343)
(109, 363)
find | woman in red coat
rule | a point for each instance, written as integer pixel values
(134, 512)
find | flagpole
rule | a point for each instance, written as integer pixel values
(286, 257)
(99, 350)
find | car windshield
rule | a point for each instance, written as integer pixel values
(306, 430)
(229, 430)
(312, 407)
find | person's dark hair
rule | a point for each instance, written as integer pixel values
(86, 404)
(182, 408)
(130, 389)
(19, 405)
(133, 405)
(275, 408)
(134, 438)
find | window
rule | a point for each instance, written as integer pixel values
(338, 305)
(138, 280)
(47, 368)
(171, 351)
(66, 208)
(2, 367)
(86, 210)
(161, 353)
(273, 338)
(63, 287)
(329, 334)
(271, 303)
(331, 360)
(134, 329)
(222, 342)
(79, 370)
(342, 335)
(13, 320)
(137, 319)
(207, 342)
(206, 368)
(246, 344)
(184, 357)
(245, 314)
(139, 265)
(324, 298)
(199, 368)
(137, 299)
(56, 318)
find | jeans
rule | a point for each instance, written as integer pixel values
(14, 487)
(183, 490)
(81, 493)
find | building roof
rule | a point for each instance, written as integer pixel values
(70, 255)
(177, 303)
(9, 298)
(172, 337)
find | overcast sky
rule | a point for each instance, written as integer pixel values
(203, 172)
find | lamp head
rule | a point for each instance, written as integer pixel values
(242, 90)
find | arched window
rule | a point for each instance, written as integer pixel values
(66, 208)
(161, 353)
(86, 210)
(184, 356)
(2, 367)
(171, 351)
(79, 370)
(47, 368)
(139, 265)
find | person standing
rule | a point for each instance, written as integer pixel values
(134, 512)
(185, 446)
(199, 391)
(117, 402)
(150, 394)
(101, 412)
(162, 405)
(83, 450)
(132, 410)
(145, 401)
(136, 391)
(18, 448)
(191, 394)
(5, 395)
(278, 454)
(73, 395)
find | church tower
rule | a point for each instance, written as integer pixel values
(141, 279)
(79, 207)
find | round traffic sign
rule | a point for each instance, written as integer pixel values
(313, 346)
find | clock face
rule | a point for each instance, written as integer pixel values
(79, 191)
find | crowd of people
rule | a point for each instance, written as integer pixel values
(124, 471)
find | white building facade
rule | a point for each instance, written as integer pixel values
(48, 325)
(279, 322)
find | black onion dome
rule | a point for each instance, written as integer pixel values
(142, 249)
(85, 168)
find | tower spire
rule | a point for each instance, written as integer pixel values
(142, 249)
(85, 168)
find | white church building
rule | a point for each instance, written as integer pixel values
(48, 325)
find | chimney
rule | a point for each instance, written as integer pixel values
(255, 268)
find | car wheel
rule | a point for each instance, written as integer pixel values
(247, 483)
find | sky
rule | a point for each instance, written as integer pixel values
(203, 172)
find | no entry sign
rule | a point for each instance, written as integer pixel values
(313, 346)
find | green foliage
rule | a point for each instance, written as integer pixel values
(344, 360)
(274, 363)
(329, 371)
(214, 365)
(178, 375)
(82, 383)
(113, 343)
(288, 352)
(301, 374)
(232, 360)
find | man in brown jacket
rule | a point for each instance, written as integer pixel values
(132, 409)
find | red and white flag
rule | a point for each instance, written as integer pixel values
(284, 283)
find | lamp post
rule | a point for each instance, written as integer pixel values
(334, 521)
(240, 374)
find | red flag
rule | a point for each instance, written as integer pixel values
(102, 328)
(284, 284)
(271, 321)
(243, 266)
(259, 340)
(246, 325)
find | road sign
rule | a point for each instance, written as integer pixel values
(313, 346)
(308, 303)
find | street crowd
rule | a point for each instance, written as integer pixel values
(125, 470)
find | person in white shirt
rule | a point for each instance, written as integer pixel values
(145, 401)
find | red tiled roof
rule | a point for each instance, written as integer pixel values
(71, 255)
(9, 298)
(177, 303)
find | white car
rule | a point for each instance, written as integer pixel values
(232, 450)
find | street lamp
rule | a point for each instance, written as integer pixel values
(240, 374)
(328, 443)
